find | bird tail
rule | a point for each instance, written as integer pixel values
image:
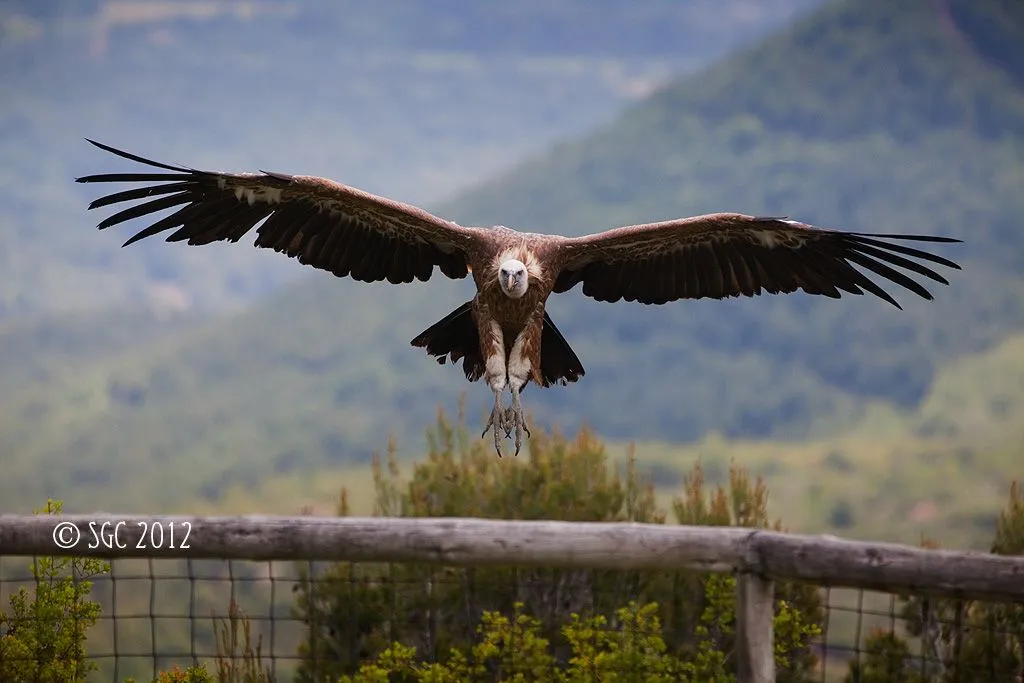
(558, 362)
(453, 337)
(456, 336)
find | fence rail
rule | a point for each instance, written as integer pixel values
(452, 541)
(758, 557)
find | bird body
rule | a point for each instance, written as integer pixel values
(504, 334)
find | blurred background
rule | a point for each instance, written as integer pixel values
(163, 378)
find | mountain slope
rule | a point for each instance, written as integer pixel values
(322, 372)
(37, 351)
(940, 471)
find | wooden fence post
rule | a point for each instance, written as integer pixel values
(755, 617)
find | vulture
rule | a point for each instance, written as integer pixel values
(504, 334)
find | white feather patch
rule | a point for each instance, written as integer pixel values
(494, 366)
(533, 268)
(268, 195)
(508, 255)
(518, 363)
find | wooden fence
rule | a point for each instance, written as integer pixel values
(757, 557)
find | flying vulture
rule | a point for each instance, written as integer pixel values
(503, 334)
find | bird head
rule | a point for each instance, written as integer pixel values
(513, 279)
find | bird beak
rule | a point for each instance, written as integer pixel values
(511, 283)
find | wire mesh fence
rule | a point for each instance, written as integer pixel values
(481, 617)
(871, 636)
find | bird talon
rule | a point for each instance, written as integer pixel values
(519, 425)
(508, 422)
(495, 422)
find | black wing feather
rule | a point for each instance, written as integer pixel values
(313, 219)
(726, 255)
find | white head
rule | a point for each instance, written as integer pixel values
(513, 279)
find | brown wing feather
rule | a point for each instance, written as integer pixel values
(728, 254)
(321, 223)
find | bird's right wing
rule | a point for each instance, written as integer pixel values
(321, 223)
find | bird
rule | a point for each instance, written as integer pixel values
(504, 334)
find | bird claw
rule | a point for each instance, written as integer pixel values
(498, 420)
(509, 420)
(514, 420)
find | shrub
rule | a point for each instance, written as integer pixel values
(193, 674)
(42, 636)
(513, 649)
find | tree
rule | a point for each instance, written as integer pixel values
(42, 637)
(355, 612)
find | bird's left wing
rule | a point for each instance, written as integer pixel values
(321, 223)
(729, 254)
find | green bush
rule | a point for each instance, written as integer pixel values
(42, 636)
(513, 649)
(193, 674)
(359, 613)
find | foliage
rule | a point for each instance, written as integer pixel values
(951, 456)
(42, 637)
(513, 649)
(355, 612)
(886, 659)
(238, 661)
(959, 640)
(192, 674)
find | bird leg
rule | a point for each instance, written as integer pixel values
(514, 419)
(497, 420)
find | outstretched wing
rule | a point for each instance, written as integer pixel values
(321, 223)
(729, 254)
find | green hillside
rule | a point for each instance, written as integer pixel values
(320, 374)
(939, 470)
(38, 350)
(889, 477)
